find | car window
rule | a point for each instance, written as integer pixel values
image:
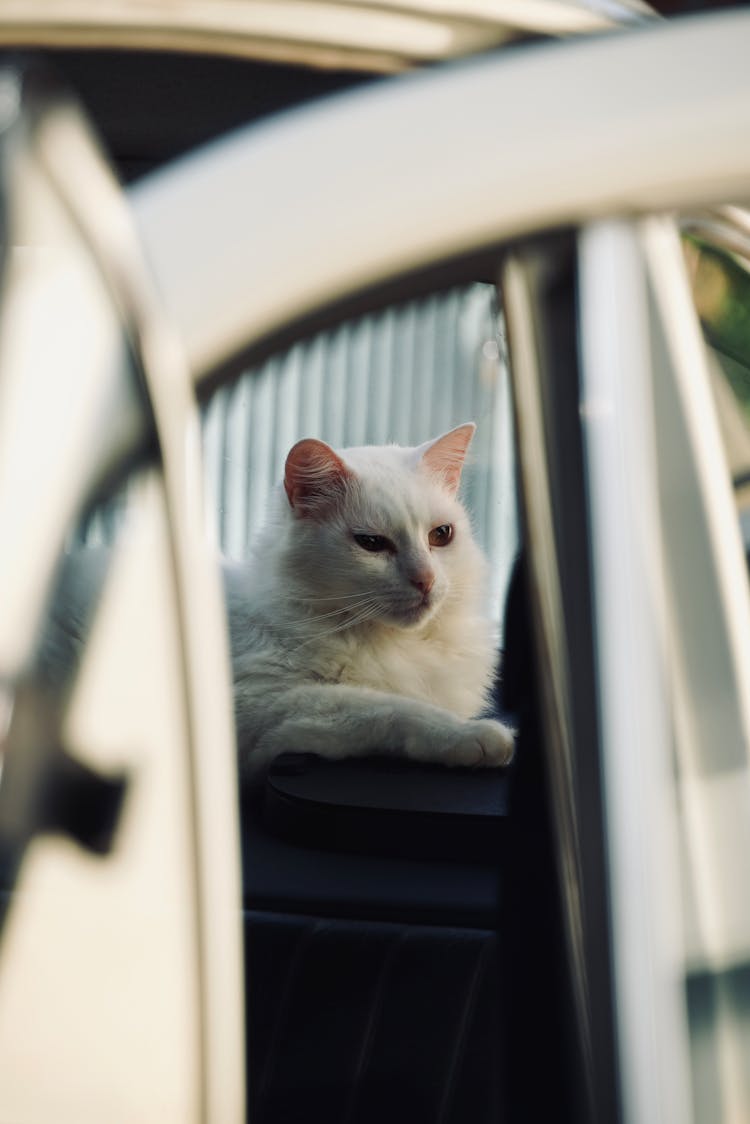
(721, 291)
(399, 841)
(403, 374)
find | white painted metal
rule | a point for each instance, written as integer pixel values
(709, 666)
(630, 623)
(92, 409)
(100, 1017)
(716, 650)
(208, 735)
(281, 219)
(174, 715)
(378, 35)
(672, 611)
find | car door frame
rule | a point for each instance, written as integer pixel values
(379, 215)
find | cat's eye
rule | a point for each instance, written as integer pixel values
(374, 543)
(440, 536)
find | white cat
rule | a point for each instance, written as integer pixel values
(358, 625)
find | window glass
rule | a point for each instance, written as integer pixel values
(721, 291)
(404, 374)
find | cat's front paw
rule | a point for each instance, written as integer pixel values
(483, 742)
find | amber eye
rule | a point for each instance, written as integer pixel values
(440, 536)
(374, 543)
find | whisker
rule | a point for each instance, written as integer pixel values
(342, 596)
(364, 614)
(353, 606)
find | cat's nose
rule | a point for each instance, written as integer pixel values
(423, 581)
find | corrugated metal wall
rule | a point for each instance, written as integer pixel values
(405, 374)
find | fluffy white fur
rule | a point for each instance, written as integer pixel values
(341, 650)
(338, 650)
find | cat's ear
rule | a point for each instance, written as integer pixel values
(444, 456)
(314, 478)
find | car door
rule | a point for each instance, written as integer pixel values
(397, 195)
(120, 959)
(386, 976)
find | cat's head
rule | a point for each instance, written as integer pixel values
(377, 533)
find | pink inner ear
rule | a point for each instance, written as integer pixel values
(445, 456)
(314, 477)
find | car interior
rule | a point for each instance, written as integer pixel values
(376, 913)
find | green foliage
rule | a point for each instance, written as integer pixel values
(721, 288)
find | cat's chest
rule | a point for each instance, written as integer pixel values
(447, 674)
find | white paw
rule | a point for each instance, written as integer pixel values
(483, 742)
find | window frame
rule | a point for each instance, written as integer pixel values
(675, 139)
